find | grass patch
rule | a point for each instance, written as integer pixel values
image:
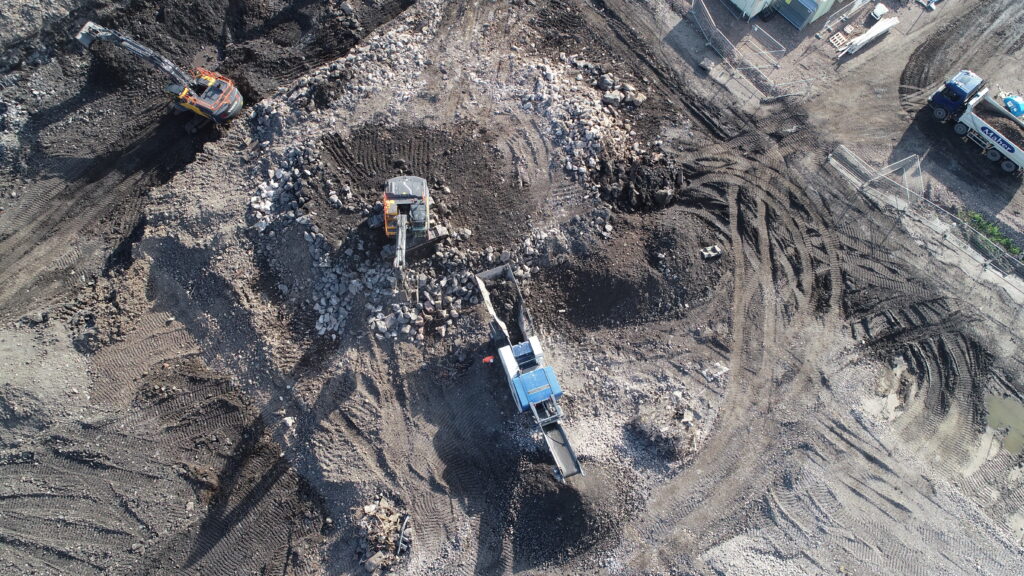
(990, 230)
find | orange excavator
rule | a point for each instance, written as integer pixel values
(207, 93)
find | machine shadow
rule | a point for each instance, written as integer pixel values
(947, 158)
(494, 463)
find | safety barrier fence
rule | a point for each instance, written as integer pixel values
(899, 185)
(739, 59)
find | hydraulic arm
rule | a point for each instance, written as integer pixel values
(206, 93)
(92, 32)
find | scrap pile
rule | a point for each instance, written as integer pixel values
(386, 534)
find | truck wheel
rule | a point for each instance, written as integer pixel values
(993, 155)
(1008, 166)
(940, 114)
(961, 129)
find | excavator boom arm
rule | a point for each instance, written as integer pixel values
(92, 32)
(403, 226)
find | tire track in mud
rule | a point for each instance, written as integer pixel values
(451, 489)
(157, 338)
(477, 173)
(463, 19)
(472, 474)
(164, 442)
(898, 315)
(947, 368)
(901, 319)
(881, 501)
(87, 533)
(770, 309)
(253, 505)
(77, 215)
(870, 513)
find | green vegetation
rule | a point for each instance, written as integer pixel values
(991, 230)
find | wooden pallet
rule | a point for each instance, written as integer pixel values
(838, 40)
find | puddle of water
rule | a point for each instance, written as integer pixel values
(1007, 412)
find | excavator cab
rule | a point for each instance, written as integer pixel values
(950, 100)
(407, 216)
(211, 95)
(409, 196)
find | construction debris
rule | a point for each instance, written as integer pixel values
(671, 428)
(385, 534)
(854, 45)
(210, 365)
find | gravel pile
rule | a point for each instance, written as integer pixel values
(20, 23)
(389, 62)
(587, 111)
(441, 290)
(427, 298)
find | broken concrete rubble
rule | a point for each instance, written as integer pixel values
(385, 534)
(670, 428)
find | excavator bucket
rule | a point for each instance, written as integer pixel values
(434, 237)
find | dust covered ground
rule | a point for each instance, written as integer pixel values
(208, 365)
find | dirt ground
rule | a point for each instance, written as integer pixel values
(208, 365)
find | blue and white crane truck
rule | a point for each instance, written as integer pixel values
(967, 100)
(533, 384)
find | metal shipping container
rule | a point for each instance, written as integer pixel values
(750, 8)
(800, 13)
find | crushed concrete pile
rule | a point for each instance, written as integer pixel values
(282, 194)
(429, 301)
(24, 26)
(430, 298)
(350, 270)
(385, 534)
(388, 63)
(584, 106)
(587, 109)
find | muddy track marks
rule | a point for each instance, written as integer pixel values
(87, 502)
(775, 307)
